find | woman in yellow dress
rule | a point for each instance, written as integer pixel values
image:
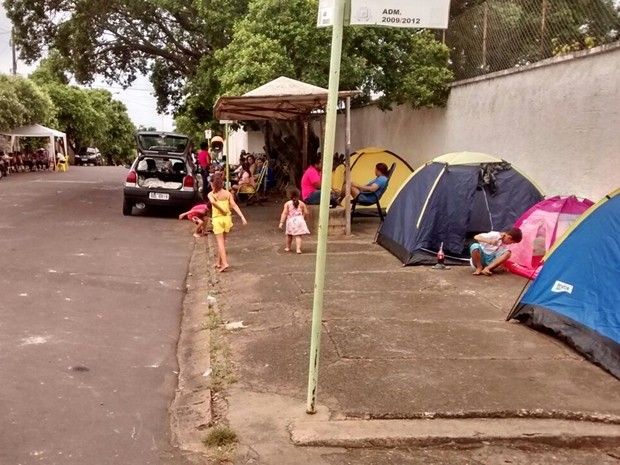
(222, 202)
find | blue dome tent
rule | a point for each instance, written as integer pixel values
(449, 199)
(576, 296)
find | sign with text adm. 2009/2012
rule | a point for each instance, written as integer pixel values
(430, 14)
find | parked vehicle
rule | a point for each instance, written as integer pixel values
(89, 156)
(163, 173)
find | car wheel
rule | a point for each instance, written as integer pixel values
(127, 207)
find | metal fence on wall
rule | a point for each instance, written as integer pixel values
(495, 35)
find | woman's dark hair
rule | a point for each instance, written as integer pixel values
(204, 145)
(217, 182)
(252, 157)
(245, 166)
(293, 194)
(516, 234)
(382, 168)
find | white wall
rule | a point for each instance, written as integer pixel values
(250, 141)
(558, 120)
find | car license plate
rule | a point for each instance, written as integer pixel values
(158, 196)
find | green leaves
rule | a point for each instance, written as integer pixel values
(22, 102)
(90, 117)
(120, 39)
(250, 60)
(280, 37)
(197, 50)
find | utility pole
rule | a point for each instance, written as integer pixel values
(326, 184)
(14, 52)
(333, 12)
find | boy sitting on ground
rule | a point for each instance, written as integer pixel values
(490, 250)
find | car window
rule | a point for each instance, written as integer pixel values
(163, 142)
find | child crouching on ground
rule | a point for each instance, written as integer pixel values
(294, 216)
(199, 215)
(490, 251)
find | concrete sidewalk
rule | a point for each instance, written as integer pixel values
(398, 343)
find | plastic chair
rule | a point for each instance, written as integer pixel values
(62, 166)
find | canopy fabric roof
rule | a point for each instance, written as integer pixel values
(281, 99)
(35, 130)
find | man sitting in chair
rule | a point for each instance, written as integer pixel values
(373, 190)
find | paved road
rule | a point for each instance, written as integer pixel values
(89, 318)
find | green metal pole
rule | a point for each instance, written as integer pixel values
(326, 183)
(227, 130)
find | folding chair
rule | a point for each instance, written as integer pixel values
(376, 198)
(252, 192)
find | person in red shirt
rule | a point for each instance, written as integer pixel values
(204, 158)
(204, 164)
(311, 183)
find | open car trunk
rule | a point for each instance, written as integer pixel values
(161, 173)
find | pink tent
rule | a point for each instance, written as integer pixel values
(541, 226)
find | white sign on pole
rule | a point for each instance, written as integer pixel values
(208, 134)
(326, 13)
(428, 14)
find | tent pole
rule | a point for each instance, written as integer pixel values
(53, 144)
(326, 184)
(227, 131)
(64, 143)
(347, 167)
(304, 148)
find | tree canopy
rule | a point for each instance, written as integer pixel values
(197, 50)
(89, 117)
(22, 103)
(278, 37)
(120, 39)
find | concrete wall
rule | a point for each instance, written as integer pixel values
(558, 120)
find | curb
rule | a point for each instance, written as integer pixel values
(190, 410)
(419, 433)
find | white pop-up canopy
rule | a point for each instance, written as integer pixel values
(37, 130)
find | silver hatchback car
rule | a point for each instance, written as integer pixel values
(163, 174)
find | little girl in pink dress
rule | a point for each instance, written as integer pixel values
(294, 215)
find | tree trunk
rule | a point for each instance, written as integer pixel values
(284, 146)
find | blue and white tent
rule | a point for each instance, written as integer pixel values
(450, 199)
(576, 296)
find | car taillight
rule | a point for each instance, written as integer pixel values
(188, 181)
(132, 177)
